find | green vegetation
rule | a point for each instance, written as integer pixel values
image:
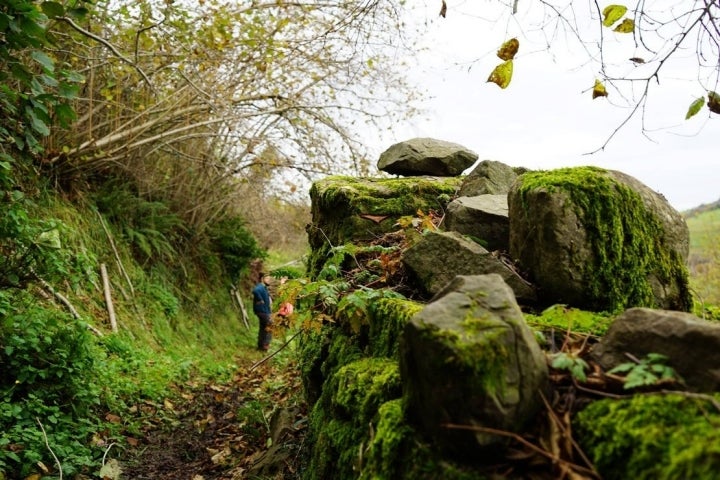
(652, 437)
(567, 319)
(705, 261)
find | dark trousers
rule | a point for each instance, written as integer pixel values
(264, 336)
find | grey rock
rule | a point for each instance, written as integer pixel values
(439, 256)
(691, 344)
(483, 217)
(489, 177)
(469, 358)
(426, 156)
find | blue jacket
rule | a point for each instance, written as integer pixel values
(261, 299)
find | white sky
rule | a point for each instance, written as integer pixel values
(547, 118)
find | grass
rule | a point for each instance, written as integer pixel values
(704, 261)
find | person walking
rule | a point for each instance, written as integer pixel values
(262, 307)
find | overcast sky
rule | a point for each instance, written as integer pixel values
(547, 118)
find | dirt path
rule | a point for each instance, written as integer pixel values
(250, 428)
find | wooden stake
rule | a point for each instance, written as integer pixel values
(108, 297)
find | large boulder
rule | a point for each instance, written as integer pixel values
(349, 209)
(483, 217)
(439, 256)
(691, 344)
(598, 239)
(426, 156)
(488, 178)
(468, 358)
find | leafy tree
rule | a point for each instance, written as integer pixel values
(197, 102)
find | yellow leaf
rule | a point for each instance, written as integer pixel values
(502, 74)
(626, 26)
(509, 49)
(613, 13)
(599, 90)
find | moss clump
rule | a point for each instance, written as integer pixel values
(360, 387)
(396, 451)
(387, 320)
(626, 240)
(652, 437)
(570, 319)
(339, 202)
(340, 420)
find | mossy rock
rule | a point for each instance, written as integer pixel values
(349, 209)
(599, 240)
(396, 451)
(658, 437)
(340, 420)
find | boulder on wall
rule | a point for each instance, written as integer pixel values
(439, 256)
(426, 156)
(468, 358)
(483, 217)
(598, 239)
(691, 344)
(489, 177)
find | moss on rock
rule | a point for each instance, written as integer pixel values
(387, 321)
(652, 437)
(348, 208)
(628, 242)
(567, 319)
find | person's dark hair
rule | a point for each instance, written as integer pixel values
(261, 275)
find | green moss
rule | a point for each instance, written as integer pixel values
(339, 202)
(360, 387)
(388, 317)
(478, 359)
(570, 319)
(396, 451)
(625, 238)
(652, 437)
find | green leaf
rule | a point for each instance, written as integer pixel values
(50, 239)
(37, 124)
(65, 114)
(79, 12)
(613, 13)
(502, 75)
(695, 107)
(52, 9)
(626, 26)
(623, 367)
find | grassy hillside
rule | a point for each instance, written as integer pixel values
(704, 261)
(70, 387)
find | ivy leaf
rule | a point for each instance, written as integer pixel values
(42, 58)
(714, 102)
(626, 26)
(695, 107)
(613, 13)
(52, 9)
(37, 124)
(502, 74)
(599, 90)
(508, 49)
